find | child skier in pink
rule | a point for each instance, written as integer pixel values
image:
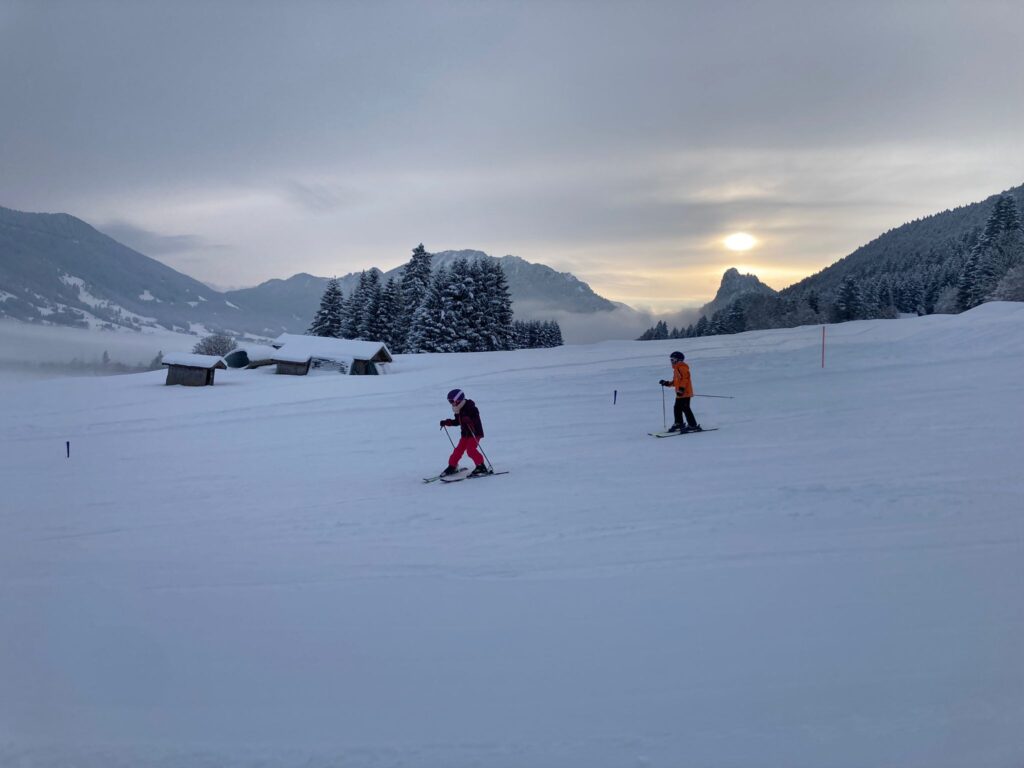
(468, 418)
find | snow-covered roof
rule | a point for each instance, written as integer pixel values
(300, 348)
(287, 356)
(257, 351)
(194, 361)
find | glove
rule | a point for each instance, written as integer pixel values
(665, 383)
(444, 422)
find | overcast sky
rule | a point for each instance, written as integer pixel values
(620, 141)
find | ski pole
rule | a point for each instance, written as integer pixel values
(481, 449)
(449, 437)
(722, 397)
(664, 418)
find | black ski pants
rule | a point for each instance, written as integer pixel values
(682, 407)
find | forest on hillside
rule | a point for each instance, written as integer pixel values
(946, 264)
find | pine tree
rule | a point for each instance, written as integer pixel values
(849, 301)
(392, 308)
(814, 302)
(428, 332)
(463, 321)
(999, 249)
(967, 295)
(358, 305)
(554, 337)
(327, 320)
(1005, 249)
(496, 306)
(912, 296)
(520, 334)
(735, 320)
(415, 282)
(1011, 286)
(371, 326)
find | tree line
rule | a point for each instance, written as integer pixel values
(950, 275)
(465, 307)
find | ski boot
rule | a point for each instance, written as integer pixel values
(449, 471)
(481, 469)
(677, 427)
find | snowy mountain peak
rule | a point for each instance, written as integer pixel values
(734, 284)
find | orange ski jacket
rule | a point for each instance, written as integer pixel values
(681, 379)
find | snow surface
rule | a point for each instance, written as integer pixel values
(193, 361)
(253, 574)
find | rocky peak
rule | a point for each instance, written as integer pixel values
(732, 287)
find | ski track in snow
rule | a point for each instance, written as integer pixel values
(254, 574)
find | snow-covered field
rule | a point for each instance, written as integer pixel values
(253, 574)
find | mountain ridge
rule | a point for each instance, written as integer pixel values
(57, 269)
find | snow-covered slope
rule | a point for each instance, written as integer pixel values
(253, 574)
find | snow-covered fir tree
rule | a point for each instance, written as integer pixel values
(428, 332)
(463, 320)
(327, 320)
(358, 305)
(535, 334)
(1011, 286)
(415, 283)
(392, 310)
(849, 302)
(999, 249)
(493, 306)
(372, 323)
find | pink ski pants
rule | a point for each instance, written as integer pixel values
(466, 445)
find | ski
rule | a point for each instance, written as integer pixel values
(463, 474)
(673, 434)
(460, 475)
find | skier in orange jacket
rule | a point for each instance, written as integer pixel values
(684, 391)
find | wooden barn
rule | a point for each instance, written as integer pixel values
(192, 370)
(298, 355)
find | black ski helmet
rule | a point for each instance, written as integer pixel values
(456, 396)
(677, 357)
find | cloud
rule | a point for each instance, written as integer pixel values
(621, 143)
(319, 197)
(153, 243)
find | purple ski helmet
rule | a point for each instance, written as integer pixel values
(456, 396)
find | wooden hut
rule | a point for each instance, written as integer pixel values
(298, 355)
(192, 370)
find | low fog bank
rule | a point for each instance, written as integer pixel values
(622, 324)
(30, 351)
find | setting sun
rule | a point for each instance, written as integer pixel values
(740, 241)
